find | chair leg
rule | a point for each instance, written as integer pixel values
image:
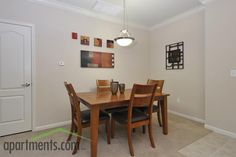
(71, 131)
(108, 131)
(77, 141)
(150, 135)
(130, 142)
(133, 129)
(112, 128)
(159, 115)
(144, 129)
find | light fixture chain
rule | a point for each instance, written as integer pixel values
(124, 15)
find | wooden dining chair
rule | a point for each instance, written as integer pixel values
(104, 86)
(81, 119)
(156, 108)
(141, 96)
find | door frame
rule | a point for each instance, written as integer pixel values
(33, 67)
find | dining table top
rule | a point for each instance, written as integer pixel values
(94, 98)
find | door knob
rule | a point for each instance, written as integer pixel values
(26, 85)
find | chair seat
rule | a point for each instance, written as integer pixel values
(122, 116)
(85, 116)
(116, 109)
(155, 108)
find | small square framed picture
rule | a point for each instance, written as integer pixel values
(110, 44)
(74, 35)
(98, 42)
(84, 40)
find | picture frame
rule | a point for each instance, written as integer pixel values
(175, 56)
(93, 59)
(110, 43)
(98, 42)
(84, 40)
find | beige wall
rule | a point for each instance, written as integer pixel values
(53, 43)
(187, 85)
(146, 59)
(220, 59)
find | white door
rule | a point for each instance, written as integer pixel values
(15, 78)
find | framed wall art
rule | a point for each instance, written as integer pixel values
(84, 40)
(175, 56)
(110, 44)
(92, 59)
(98, 42)
(74, 35)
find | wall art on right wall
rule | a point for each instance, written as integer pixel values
(175, 56)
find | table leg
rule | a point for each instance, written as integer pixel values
(94, 123)
(164, 114)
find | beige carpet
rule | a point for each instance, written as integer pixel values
(182, 132)
(212, 145)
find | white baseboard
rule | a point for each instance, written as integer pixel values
(187, 116)
(220, 131)
(53, 125)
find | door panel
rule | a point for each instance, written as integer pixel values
(13, 60)
(11, 109)
(15, 72)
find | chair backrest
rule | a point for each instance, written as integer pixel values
(159, 83)
(142, 96)
(75, 103)
(103, 85)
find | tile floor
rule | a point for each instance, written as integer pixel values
(212, 145)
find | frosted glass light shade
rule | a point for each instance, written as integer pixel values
(124, 39)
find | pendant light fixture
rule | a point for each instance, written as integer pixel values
(124, 39)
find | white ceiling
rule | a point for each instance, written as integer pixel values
(146, 13)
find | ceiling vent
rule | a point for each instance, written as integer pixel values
(107, 8)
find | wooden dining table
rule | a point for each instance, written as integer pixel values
(98, 101)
